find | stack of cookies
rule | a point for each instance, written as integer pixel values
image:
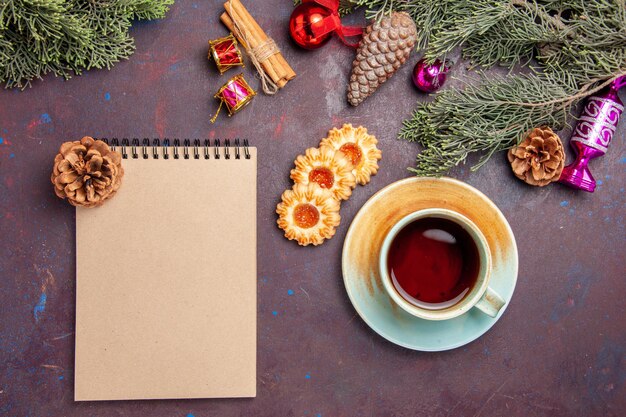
(323, 177)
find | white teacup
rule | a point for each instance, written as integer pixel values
(479, 295)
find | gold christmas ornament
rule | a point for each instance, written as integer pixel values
(87, 172)
(385, 46)
(359, 147)
(539, 158)
(327, 168)
(308, 214)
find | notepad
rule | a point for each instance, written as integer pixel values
(166, 278)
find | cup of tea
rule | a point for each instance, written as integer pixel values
(436, 265)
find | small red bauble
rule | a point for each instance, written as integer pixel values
(429, 78)
(306, 25)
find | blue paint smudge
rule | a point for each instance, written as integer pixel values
(275, 313)
(318, 415)
(289, 292)
(1, 141)
(12, 155)
(174, 67)
(623, 160)
(605, 377)
(564, 203)
(61, 378)
(40, 307)
(608, 177)
(107, 96)
(189, 415)
(194, 6)
(599, 182)
(307, 376)
(574, 291)
(45, 118)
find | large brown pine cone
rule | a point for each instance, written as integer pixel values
(385, 46)
(539, 158)
(87, 172)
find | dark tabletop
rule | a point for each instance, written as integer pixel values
(559, 350)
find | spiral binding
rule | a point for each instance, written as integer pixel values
(165, 145)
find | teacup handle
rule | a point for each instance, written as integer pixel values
(490, 303)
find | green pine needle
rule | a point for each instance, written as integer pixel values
(486, 117)
(64, 37)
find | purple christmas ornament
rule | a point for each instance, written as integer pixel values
(429, 78)
(593, 134)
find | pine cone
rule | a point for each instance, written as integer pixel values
(86, 172)
(539, 159)
(385, 46)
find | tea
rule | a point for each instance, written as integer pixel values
(433, 263)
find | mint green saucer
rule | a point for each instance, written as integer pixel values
(361, 253)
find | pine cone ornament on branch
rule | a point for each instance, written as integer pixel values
(539, 158)
(87, 172)
(385, 46)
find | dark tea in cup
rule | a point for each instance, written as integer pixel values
(433, 263)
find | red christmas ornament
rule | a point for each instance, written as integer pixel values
(306, 25)
(313, 22)
(429, 78)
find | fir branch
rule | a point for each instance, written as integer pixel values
(64, 37)
(479, 118)
(378, 8)
(579, 47)
(150, 9)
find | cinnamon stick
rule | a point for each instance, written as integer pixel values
(276, 66)
(239, 9)
(278, 61)
(267, 65)
(254, 33)
(228, 22)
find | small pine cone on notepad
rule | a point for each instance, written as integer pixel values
(87, 172)
(385, 46)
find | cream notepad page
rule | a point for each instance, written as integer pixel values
(166, 283)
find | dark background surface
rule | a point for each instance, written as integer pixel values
(557, 351)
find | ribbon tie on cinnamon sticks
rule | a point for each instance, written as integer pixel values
(273, 69)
